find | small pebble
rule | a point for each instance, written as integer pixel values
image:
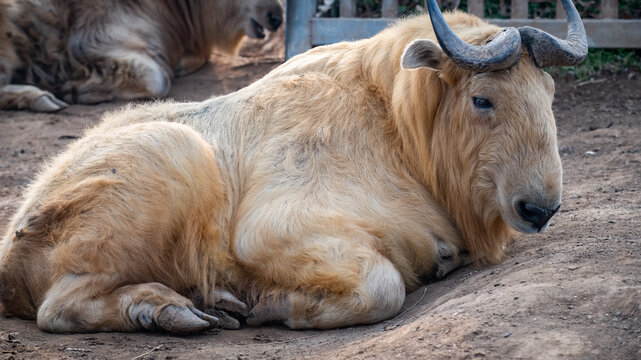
(507, 334)
(590, 152)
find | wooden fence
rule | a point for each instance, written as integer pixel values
(305, 31)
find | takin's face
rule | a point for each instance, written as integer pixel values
(498, 131)
(514, 137)
(259, 15)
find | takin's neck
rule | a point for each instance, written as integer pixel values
(413, 99)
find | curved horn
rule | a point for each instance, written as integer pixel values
(500, 53)
(548, 50)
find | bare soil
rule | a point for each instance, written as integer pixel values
(572, 292)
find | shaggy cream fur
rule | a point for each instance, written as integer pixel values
(341, 181)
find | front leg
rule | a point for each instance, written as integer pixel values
(93, 302)
(28, 97)
(330, 283)
(189, 64)
(125, 75)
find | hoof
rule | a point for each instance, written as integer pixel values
(224, 300)
(225, 320)
(269, 310)
(48, 103)
(188, 320)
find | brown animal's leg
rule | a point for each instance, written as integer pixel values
(122, 74)
(128, 74)
(28, 97)
(372, 293)
(189, 64)
(89, 303)
(141, 76)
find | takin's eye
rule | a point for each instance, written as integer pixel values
(482, 103)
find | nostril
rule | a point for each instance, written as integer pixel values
(535, 214)
(274, 20)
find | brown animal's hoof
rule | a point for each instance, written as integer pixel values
(226, 321)
(185, 320)
(48, 103)
(269, 310)
(224, 300)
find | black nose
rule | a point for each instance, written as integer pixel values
(535, 214)
(275, 19)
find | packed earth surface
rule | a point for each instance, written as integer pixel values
(572, 292)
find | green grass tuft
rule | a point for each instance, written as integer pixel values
(601, 62)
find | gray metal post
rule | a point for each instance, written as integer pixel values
(298, 37)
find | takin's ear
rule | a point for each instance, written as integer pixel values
(422, 53)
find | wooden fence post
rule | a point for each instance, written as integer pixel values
(298, 37)
(560, 11)
(609, 9)
(519, 9)
(347, 8)
(389, 8)
(476, 7)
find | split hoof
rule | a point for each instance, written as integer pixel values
(179, 320)
(225, 320)
(48, 103)
(224, 300)
(270, 310)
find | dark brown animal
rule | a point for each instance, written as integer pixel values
(54, 52)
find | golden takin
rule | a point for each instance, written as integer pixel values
(316, 197)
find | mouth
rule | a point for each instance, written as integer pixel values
(530, 218)
(526, 228)
(259, 30)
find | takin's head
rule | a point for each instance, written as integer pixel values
(229, 21)
(259, 15)
(493, 147)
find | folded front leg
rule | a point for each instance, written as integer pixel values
(28, 97)
(373, 292)
(92, 303)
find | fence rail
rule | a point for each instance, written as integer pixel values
(304, 30)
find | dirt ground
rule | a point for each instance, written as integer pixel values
(572, 292)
